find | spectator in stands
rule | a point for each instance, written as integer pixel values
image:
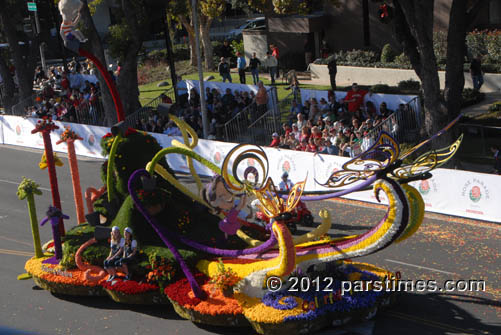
(384, 111)
(301, 122)
(261, 99)
(275, 140)
(295, 110)
(323, 106)
(194, 100)
(271, 63)
(224, 70)
(354, 98)
(315, 114)
(182, 91)
(241, 64)
(171, 129)
(254, 64)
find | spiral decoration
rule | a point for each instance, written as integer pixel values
(250, 178)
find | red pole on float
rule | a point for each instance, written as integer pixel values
(46, 126)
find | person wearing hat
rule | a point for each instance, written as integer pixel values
(115, 252)
(224, 70)
(286, 184)
(129, 247)
(276, 140)
(241, 64)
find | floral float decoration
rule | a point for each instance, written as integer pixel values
(69, 137)
(45, 126)
(54, 215)
(230, 286)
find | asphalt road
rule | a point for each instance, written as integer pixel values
(443, 249)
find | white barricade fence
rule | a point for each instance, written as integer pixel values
(452, 192)
(17, 131)
(392, 100)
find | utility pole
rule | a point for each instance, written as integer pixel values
(32, 7)
(200, 72)
(170, 56)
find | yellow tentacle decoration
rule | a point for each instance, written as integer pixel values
(416, 214)
(185, 130)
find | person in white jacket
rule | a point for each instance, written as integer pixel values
(272, 64)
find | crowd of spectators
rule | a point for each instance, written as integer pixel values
(341, 127)
(222, 106)
(70, 94)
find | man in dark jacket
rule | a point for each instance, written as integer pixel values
(332, 66)
(224, 70)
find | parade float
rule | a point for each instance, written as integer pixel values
(149, 239)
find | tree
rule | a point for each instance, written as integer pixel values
(413, 29)
(208, 11)
(9, 87)
(180, 11)
(24, 55)
(125, 40)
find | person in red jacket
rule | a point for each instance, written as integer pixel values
(276, 140)
(355, 98)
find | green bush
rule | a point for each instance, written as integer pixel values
(471, 97)
(440, 46)
(402, 59)
(409, 85)
(382, 88)
(387, 54)
(495, 107)
(361, 57)
(238, 46)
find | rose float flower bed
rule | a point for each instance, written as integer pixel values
(216, 310)
(57, 280)
(286, 312)
(133, 292)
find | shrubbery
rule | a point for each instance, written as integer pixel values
(485, 43)
(387, 54)
(409, 85)
(495, 107)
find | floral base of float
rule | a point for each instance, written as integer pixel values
(285, 312)
(71, 282)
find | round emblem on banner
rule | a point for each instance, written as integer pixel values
(218, 157)
(18, 130)
(424, 187)
(475, 194)
(91, 140)
(286, 166)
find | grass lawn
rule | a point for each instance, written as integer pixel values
(151, 91)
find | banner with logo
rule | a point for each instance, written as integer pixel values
(17, 131)
(451, 192)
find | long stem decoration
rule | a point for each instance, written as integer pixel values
(45, 126)
(69, 137)
(55, 216)
(27, 190)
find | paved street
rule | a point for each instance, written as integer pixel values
(443, 249)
